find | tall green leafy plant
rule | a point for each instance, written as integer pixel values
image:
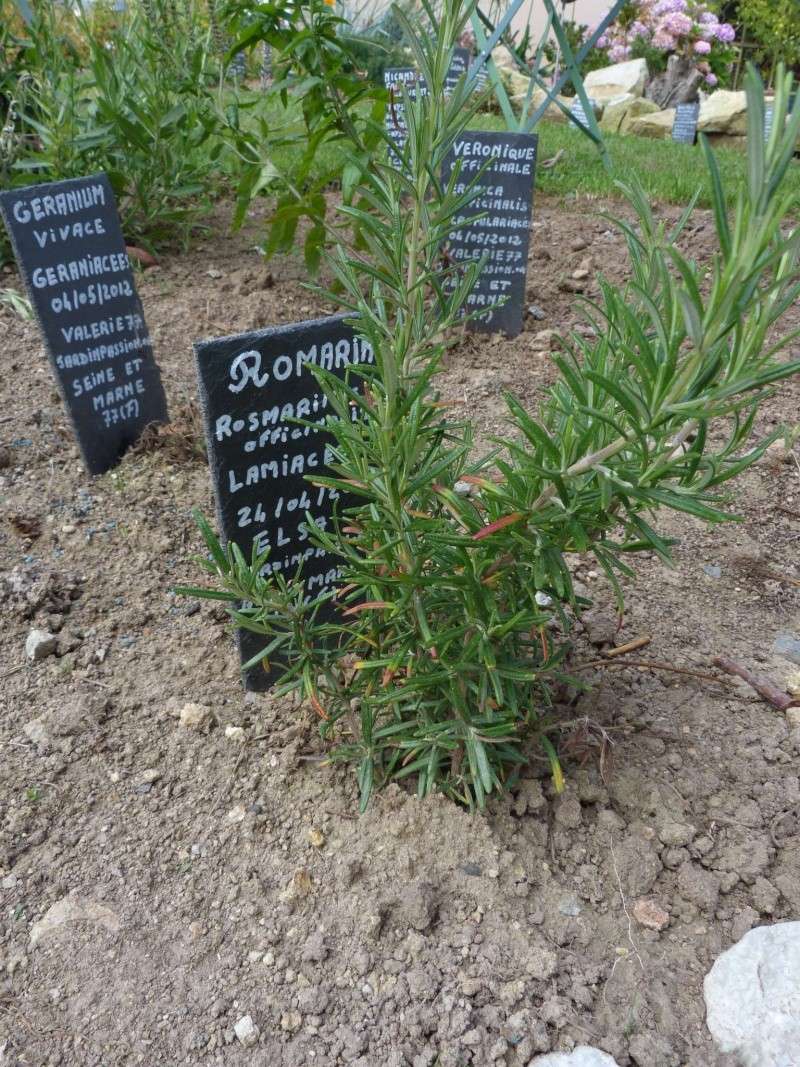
(772, 28)
(154, 118)
(456, 597)
(315, 60)
(138, 100)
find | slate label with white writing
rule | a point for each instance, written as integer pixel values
(459, 65)
(684, 125)
(394, 79)
(578, 114)
(252, 386)
(505, 198)
(71, 253)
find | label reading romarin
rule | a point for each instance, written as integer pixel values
(252, 388)
(71, 253)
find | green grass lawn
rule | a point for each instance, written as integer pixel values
(671, 173)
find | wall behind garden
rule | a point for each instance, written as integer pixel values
(588, 12)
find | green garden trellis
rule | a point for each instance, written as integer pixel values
(526, 121)
(25, 11)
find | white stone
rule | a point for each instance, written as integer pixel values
(609, 82)
(246, 1031)
(234, 733)
(514, 80)
(752, 997)
(553, 113)
(70, 910)
(582, 1056)
(195, 715)
(620, 112)
(39, 644)
(36, 731)
(723, 112)
(655, 124)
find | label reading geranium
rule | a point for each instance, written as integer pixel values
(71, 253)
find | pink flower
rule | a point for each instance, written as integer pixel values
(709, 27)
(619, 52)
(702, 48)
(711, 79)
(667, 7)
(638, 29)
(726, 33)
(664, 41)
(603, 41)
(677, 24)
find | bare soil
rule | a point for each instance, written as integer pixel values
(204, 879)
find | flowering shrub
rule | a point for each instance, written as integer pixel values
(656, 29)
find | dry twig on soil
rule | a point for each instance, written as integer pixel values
(765, 689)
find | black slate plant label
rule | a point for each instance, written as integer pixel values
(578, 114)
(769, 120)
(461, 62)
(251, 386)
(71, 253)
(458, 66)
(684, 126)
(238, 67)
(394, 78)
(505, 197)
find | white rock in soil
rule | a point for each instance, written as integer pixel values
(37, 732)
(752, 996)
(71, 910)
(582, 1056)
(234, 733)
(40, 644)
(246, 1031)
(195, 715)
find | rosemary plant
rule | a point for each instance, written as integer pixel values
(442, 661)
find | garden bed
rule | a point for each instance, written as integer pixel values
(219, 878)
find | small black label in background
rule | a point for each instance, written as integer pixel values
(578, 114)
(393, 79)
(237, 68)
(769, 120)
(684, 126)
(505, 198)
(71, 254)
(251, 387)
(458, 65)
